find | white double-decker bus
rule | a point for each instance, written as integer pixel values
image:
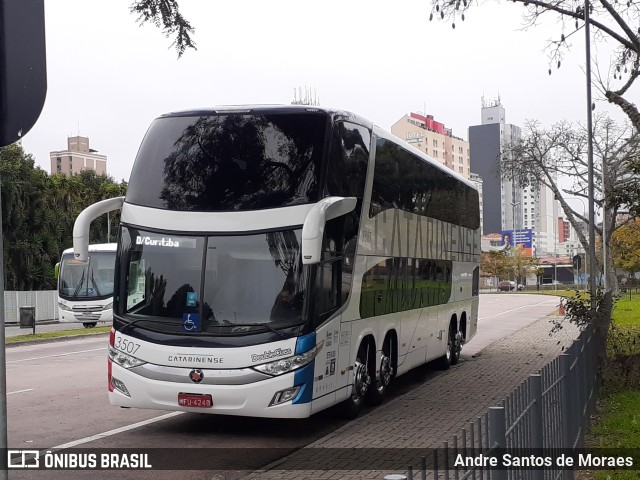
(276, 261)
(85, 288)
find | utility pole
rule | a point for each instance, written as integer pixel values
(604, 226)
(592, 224)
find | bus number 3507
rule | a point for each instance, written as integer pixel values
(126, 346)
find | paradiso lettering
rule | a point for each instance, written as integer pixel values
(278, 352)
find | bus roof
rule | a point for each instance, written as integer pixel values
(99, 247)
(336, 114)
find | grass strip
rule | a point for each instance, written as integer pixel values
(618, 426)
(58, 334)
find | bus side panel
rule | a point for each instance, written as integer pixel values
(472, 319)
(462, 281)
(435, 345)
(325, 380)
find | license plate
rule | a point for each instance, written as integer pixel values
(195, 400)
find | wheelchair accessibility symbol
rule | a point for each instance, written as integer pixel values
(191, 322)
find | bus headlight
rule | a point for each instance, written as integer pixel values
(124, 360)
(108, 306)
(289, 364)
(64, 307)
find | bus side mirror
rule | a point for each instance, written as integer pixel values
(83, 221)
(56, 270)
(313, 228)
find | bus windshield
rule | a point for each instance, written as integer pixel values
(230, 162)
(215, 284)
(92, 279)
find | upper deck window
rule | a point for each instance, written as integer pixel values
(230, 162)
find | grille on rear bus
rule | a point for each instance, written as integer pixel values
(87, 313)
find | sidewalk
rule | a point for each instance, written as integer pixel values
(437, 410)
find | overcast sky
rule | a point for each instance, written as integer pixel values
(108, 78)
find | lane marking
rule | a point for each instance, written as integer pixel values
(57, 355)
(21, 391)
(518, 308)
(115, 431)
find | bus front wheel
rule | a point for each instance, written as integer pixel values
(89, 324)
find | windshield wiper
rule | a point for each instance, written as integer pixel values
(95, 285)
(79, 286)
(264, 325)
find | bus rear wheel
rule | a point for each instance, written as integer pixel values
(361, 382)
(387, 372)
(454, 345)
(89, 324)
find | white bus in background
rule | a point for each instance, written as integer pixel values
(276, 261)
(85, 288)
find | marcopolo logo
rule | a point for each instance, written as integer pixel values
(278, 352)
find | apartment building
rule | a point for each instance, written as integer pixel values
(77, 157)
(433, 138)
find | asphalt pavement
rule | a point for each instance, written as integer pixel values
(433, 413)
(513, 341)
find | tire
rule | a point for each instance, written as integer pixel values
(457, 348)
(454, 345)
(89, 324)
(352, 406)
(387, 373)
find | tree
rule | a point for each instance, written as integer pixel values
(542, 157)
(612, 22)
(38, 213)
(494, 264)
(29, 226)
(522, 264)
(165, 14)
(625, 245)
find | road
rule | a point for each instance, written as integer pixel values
(57, 399)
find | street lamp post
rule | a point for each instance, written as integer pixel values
(555, 249)
(584, 216)
(513, 239)
(555, 255)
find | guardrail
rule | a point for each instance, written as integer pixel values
(548, 412)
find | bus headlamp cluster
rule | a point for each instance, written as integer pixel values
(289, 364)
(124, 360)
(64, 307)
(108, 306)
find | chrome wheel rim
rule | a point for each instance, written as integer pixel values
(361, 381)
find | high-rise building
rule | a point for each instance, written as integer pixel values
(477, 180)
(77, 157)
(507, 206)
(434, 139)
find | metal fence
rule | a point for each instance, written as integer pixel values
(548, 412)
(45, 302)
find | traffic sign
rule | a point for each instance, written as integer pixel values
(23, 68)
(577, 262)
